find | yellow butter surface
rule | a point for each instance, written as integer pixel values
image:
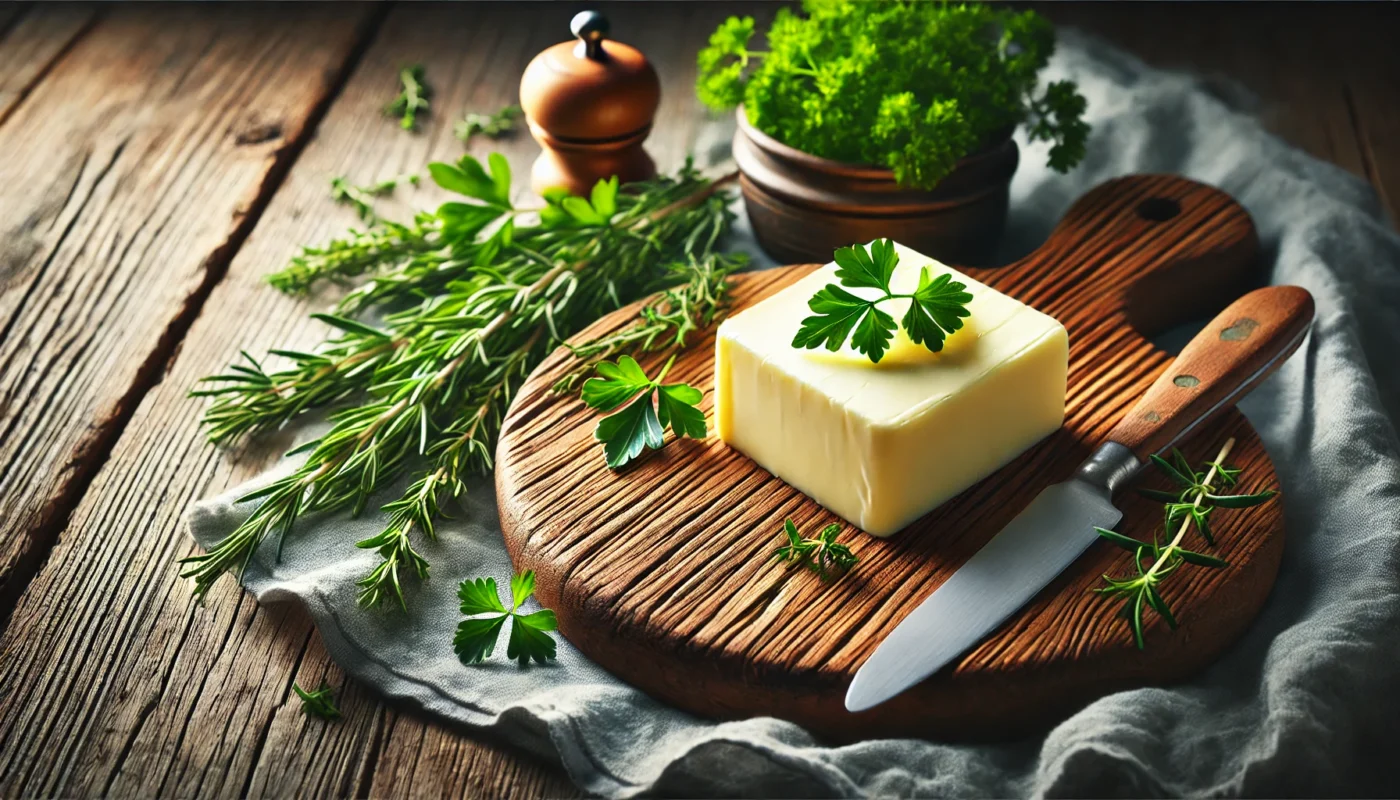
(883, 444)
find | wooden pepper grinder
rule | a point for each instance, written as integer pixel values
(590, 105)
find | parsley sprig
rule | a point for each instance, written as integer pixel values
(1192, 503)
(412, 98)
(529, 633)
(318, 702)
(936, 307)
(822, 554)
(492, 126)
(648, 408)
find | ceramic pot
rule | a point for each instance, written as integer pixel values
(803, 207)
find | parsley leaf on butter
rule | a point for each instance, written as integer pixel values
(529, 633)
(648, 407)
(936, 307)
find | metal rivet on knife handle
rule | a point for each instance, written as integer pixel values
(1238, 349)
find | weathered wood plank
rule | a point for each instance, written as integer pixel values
(29, 48)
(423, 759)
(129, 176)
(135, 687)
(135, 168)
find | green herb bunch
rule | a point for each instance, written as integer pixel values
(468, 299)
(912, 86)
(1197, 495)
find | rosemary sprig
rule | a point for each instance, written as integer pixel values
(361, 198)
(666, 322)
(412, 98)
(822, 554)
(470, 297)
(492, 126)
(1192, 503)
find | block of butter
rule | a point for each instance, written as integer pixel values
(883, 444)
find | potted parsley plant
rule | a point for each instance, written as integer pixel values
(864, 120)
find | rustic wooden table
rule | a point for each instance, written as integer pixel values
(155, 162)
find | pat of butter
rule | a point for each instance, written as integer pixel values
(883, 444)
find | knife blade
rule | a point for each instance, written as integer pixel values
(1231, 355)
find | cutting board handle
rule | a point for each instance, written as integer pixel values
(1241, 347)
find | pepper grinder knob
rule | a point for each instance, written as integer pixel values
(589, 102)
(591, 28)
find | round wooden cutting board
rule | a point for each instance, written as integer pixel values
(662, 572)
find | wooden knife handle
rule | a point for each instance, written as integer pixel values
(1242, 346)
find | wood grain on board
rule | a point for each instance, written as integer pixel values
(662, 572)
(127, 696)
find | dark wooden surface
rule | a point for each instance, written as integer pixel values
(680, 600)
(157, 161)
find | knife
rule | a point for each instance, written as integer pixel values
(1238, 349)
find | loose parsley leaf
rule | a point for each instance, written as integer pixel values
(467, 177)
(936, 307)
(676, 406)
(650, 407)
(492, 126)
(476, 637)
(318, 703)
(412, 98)
(822, 555)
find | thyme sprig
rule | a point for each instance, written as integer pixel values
(361, 198)
(821, 554)
(470, 298)
(492, 126)
(318, 702)
(412, 99)
(1192, 503)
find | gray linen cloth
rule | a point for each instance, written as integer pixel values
(1307, 703)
